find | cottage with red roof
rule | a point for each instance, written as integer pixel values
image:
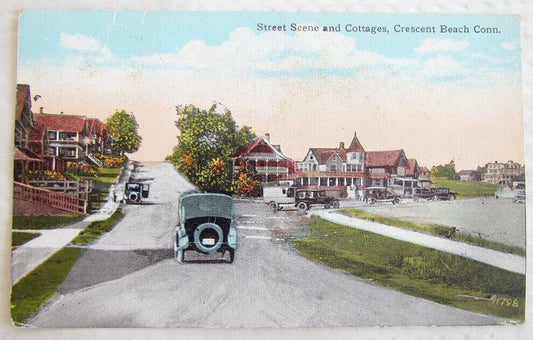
(383, 165)
(271, 164)
(334, 167)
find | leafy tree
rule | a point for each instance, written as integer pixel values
(123, 129)
(246, 182)
(447, 171)
(207, 142)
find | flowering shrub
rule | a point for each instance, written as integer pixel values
(81, 169)
(111, 161)
(44, 175)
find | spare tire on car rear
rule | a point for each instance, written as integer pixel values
(213, 231)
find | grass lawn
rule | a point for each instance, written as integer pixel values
(434, 229)
(32, 291)
(416, 270)
(19, 238)
(44, 222)
(466, 189)
(28, 295)
(98, 228)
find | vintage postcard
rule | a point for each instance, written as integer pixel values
(253, 170)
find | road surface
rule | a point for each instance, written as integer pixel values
(130, 279)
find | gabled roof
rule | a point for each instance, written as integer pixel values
(376, 159)
(66, 123)
(256, 145)
(23, 96)
(355, 145)
(424, 170)
(412, 165)
(23, 154)
(323, 155)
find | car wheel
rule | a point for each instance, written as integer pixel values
(327, 206)
(336, 204)
(302, 206)
(211, 232)
(415, 199)
(273, 206)
(452, 197)
(371, 200)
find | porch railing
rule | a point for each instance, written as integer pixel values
(59, 200)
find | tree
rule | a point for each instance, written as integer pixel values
(207, 142)
(123, 129)
(447, 171)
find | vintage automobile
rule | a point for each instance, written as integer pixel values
(446, 194)
(135, 192)
(381, 194)
(206, 225)
(519, 196)
(305, 198)
(302, 198)
(423, 194)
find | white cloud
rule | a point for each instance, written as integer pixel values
(509, 46)
(443, 66)
(244, 51)
(440, 45)
(79, 42)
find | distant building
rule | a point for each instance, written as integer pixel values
(334, 167)
(271, 164)
(469, 175)
(503, 173)
(384, 165)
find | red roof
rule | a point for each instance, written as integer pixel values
(25, 155)
(377, 159)
(355, 145)
(323, 155)
(260, 145)
(412, 164)
(424, 170)
(65, 123)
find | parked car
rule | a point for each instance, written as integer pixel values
(423, 194)
(442, 193)
(519, 196)
(302, 198)
(381, 194)
(135, 192)
(206, 225)
(305, 198)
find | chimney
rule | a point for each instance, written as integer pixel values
(267, 137)
(41, 109)
(341, 145)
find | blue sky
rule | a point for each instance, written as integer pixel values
(56, 35)
(462, 87)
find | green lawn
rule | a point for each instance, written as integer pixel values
(19, 238)
(98, 228)
(416, 270)
(434, 229)
(44, 222)
(466, 189)
(32, 291)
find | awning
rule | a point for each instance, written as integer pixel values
(22, 154)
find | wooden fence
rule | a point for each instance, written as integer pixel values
(59, 200)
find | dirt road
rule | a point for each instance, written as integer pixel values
(130, 279)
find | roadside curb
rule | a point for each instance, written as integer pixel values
(506, 261)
